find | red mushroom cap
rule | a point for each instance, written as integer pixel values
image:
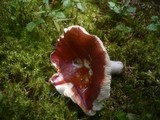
(84, 70)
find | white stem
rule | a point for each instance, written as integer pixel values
(116, 67)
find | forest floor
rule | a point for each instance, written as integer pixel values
(28, 34)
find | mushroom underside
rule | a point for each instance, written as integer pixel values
(84, 69)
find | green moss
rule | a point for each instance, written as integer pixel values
(25, 67)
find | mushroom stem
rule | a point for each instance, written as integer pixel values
(116, 67)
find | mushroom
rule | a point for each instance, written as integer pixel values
(84, 69)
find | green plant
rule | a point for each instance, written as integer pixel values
(155, 24)
(118, 8)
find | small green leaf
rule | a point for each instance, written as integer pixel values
(117, 9)
(124, 28)
(52, 13)
(154, 18)
(30, 26)
(13, 17)
(57, 25)
(46, 2)
(111, 4)
(81, 7)
(152, 27)
(67, 3)
(39, 21)
(60, 15)
(114, 7)
(131, 9)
